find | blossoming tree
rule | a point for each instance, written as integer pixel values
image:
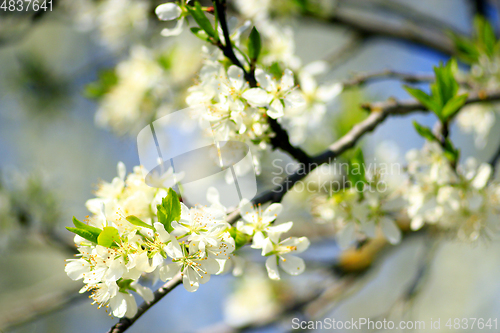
(236, 60)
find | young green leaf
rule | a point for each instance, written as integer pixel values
(200, 18)
(138, 222)
(422, 97)
(81, 225)
(240, 238)
(485, 35)
(356, 172)
(169, 210)
(453, 106)
(109, 237)
(200, 33)
(254, 44)
(466, 49)
(424, 132)
(84, 234)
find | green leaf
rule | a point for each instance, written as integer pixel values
(109, 237)
(423, 98)
(138, 222)
(90, 233)
(466, 49)
(107, 79)
(445, 87)
(84, 226)
(356, 172)
(453, 106)
(240, 239)
(485, 35)
(169, 210)
(200, 33)
(84, 234)
(424, 132)
(200, 18)
(254, 44)
(450, 152)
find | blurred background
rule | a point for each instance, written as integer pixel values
(60, 133)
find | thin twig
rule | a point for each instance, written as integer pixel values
(370, 25)
(280, 139)
(124, 323)
(360, 79)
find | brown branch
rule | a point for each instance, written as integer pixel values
(124, 323)
(378, 113)
(371, 25)
(360, 79)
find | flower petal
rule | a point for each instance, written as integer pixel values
(175, 31)
(236, 77)
(275, 110)
(272, 268)
(256, 97)
(168, 11)
(390, 230)
(287, 80)
(291, 264)
(167, 272)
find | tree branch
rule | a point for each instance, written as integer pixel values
(124, 323)
(370, 25)
(281, 139)
(387, 74)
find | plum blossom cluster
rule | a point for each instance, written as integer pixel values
(137, 230)
(281, 253)
(462, 201)
(358, 214)
(234, 108)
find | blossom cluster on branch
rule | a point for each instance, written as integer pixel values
(254, 89)
(137, 230)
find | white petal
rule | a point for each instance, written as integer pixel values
(167, 272)
(168, 11)
(257, 97)
(131, 306)
(267, 246)
(144, 292)
(122, 170)
(369, 228)
(327, 93)
(264, 80)
(417, 222)
(275, 110)
(175, 31)
(118, 305)
(291, 264)
(390, 230)
(160, 229)
(483, 175)
(115, 270)
(301, 243)
(271, 212)
(346, 236)
(272, 268)
(236, 77)
(287, 80)
(316, 67)
(275, 232)
(210, 265)
(258, 240)
(190, 281)
(247, 211)
(76, 268)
